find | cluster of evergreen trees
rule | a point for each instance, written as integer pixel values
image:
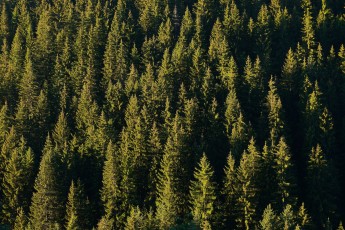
(172, 114)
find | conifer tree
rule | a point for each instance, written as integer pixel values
(61, 133)
(308, 30)
(4, 59)
(165, 35)
(139, 220)
(204, 11)
(79, 66)
(9, 143)
(15, 66)
(236, 128)
(263, 36)
(62, 69)
(166, 203)
(4, 123)
(187, 26)
(268, 176)
(312, 114)
(229, 74)
(5, 23)
(151, 13)
(110, 193)
(155, 153)
(29, 89)
(322, 188)
(233, 26)
(289, 74)
(269, 219)
(87, 110)
(254, 83)
(171, 179)
(165, 80)
(202, 191)
(275, 113)
(283, 168)
(46, 210)
(21, 221)
(229, 191)
(77, 213)
(239, 135)
(218, 51)
(326, 126)
(44, 46)
(17, 180)
(303, 217)
(248, 189)
(287, 218)
(324, 22)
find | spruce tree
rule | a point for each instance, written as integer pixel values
(269, 219)
(21, 221)
(287, 218)
(4, 122)
(312, 114)
(303, 218)
(284, 173)
(248, 188)
(171, 191)
(275, 113)
(77, 210)
(17, 181)
(44, 46)
(5, 23)
(166, 203)
(110, 190)
(218, 50)
(263, 36)
(61, 133)
(236, 129)
(229, 191)
(202, 191)
(155, 154)
(138, 219)
(47, 207)
(308, 31)
(322, 186)
(233, 27)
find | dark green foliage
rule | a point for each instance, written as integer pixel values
(17, 177)
(202, 192)
(131, 93)
(77, 210)
(47, 207)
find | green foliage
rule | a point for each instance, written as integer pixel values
(283, 168)
(46, 210)
(269, 219)
(110, 192)
(131, 93)
(248, 189)
(275, 113)
(17, 179)
(21, 221)
(202, 191)
(170, 188)
(320, 182)
(77, 208)
(139, 220)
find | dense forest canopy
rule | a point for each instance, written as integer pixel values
(172, 114)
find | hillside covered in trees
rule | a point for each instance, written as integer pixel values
(172, 114)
